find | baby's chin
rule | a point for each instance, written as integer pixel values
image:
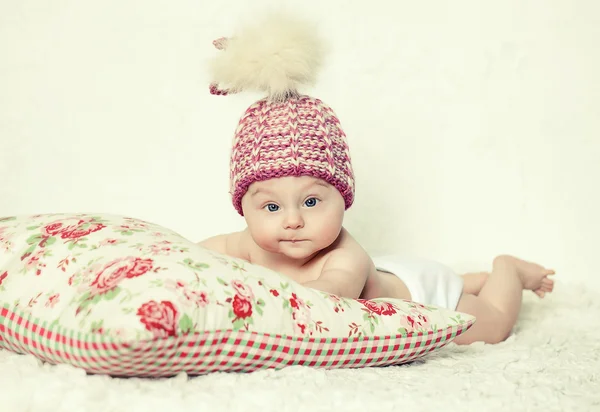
(297, 250)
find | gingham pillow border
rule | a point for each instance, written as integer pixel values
(212, 351)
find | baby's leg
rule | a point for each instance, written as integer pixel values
(499, 301)
(473, 282)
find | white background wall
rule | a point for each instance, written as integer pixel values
(473, 126)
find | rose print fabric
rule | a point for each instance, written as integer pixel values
(127, 280)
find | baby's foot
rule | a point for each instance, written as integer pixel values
(534, 277)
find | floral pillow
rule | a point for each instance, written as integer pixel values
(121, 296)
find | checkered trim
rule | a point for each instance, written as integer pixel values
(218, 351)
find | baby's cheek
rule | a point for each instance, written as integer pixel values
(263, 236)
(330, 229)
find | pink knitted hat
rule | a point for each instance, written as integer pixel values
(286, 133)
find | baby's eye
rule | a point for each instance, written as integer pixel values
(272, 207)
(311, 202)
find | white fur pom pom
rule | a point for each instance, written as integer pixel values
(276, 55)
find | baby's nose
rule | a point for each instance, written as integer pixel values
(293, 220)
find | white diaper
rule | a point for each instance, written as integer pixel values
(429, 282)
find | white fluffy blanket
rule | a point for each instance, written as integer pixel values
(551, 363)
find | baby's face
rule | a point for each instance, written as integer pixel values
(293, 216)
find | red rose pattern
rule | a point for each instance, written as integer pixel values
(417, 320)
(300, 315)
(140, 266)
(117, 270)
(77, 233)
(199, 298)
(33, 262)
(53, 228)
(302, 321)
(379, 308)
(295, 302)
(243, 290)
(159, 318)
(81, 228)
(242, 308)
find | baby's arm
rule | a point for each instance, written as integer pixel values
(344, 274)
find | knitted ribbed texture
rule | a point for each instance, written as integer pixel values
(298, 137)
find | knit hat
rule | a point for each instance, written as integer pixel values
(286, 133)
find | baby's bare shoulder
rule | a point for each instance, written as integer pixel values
(230, 244)
(349, 243)
(215, 243)
(347, 250)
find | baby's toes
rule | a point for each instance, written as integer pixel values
(547, 285)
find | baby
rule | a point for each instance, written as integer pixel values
(292, 181)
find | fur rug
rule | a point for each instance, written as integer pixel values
(551, 363)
